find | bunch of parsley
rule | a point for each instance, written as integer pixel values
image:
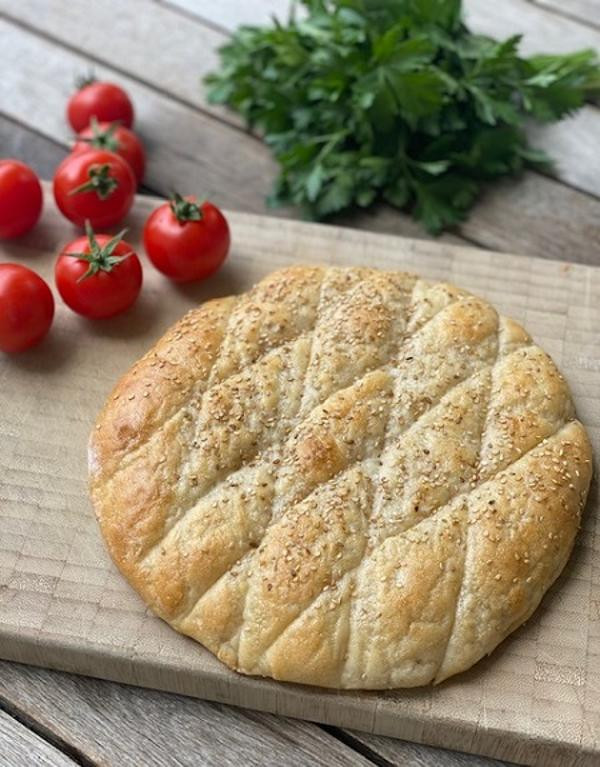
(395, 99)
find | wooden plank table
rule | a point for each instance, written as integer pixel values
(158, 51)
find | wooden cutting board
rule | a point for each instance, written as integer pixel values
(64, 605)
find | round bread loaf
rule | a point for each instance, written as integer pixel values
(344, 477)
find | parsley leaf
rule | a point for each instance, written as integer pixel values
(361, 100)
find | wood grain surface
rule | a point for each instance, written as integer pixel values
(20, 747)
(62, 603)
(112, 724)
(201, 149)
(218, 159)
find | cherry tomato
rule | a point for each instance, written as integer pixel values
(106, 102)
(20, 198)
(98, 186)
(115, 138)
(26, 308)
(187, 240)
(98, 276)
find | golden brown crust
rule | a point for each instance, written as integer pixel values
(344, 477)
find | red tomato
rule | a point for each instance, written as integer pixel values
(20, 198)
(98, 276)
(26, 308)
(186, 240)
(106, 102)
(115, 138)
(98, 186)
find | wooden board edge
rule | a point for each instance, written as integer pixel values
(289, 700)
(424, 247)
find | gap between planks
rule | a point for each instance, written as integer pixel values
(23, 740)
(583, 11)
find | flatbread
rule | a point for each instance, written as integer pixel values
(344, 477)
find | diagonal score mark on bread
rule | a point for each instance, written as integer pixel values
(386, 529)
(504, 343)
(194, 533)
(314, 450)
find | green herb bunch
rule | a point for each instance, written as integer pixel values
(396, 99)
